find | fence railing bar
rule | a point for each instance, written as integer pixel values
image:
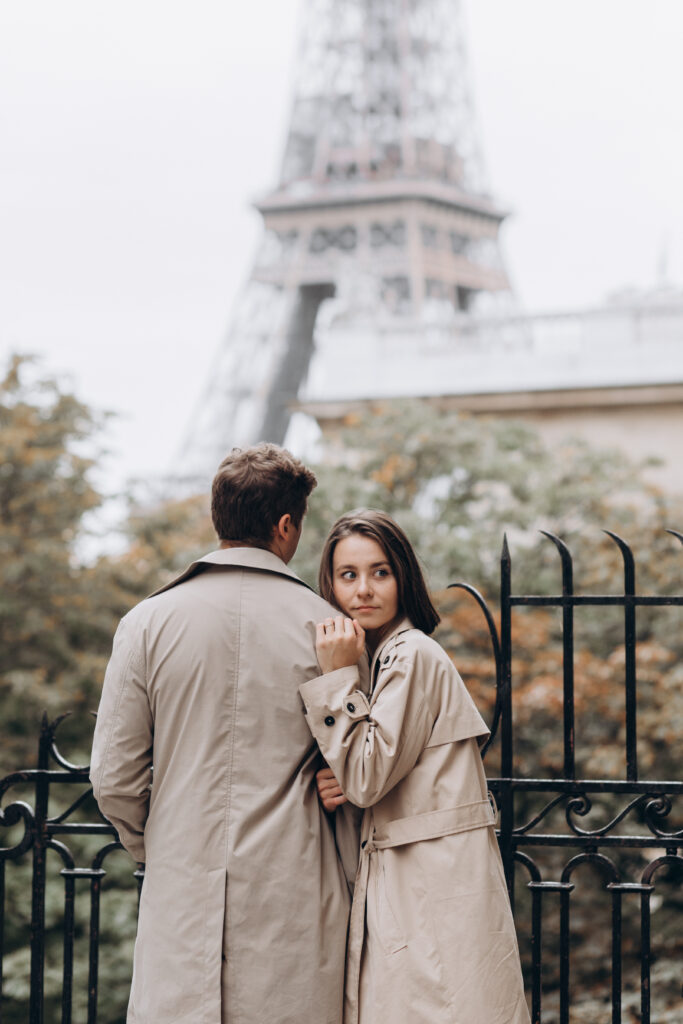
(76, 828)
(608, 600)
(630, 655)
(536, 886)
(505, 661)
(69, 929)
(94, 943)
(567, 653)
(564, 953)
(39, 877)
(2, 927)
(589, 842)
(616, 957)
(578, 786)
(645, 953)
(505, 794)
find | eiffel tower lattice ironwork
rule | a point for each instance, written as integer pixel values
(381, 213)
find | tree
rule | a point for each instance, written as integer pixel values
(46, 650)
(457, 483)
(57, 613)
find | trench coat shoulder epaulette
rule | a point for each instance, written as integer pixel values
(411, 645)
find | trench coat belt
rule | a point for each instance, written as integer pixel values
(433, 825)
(400, 832)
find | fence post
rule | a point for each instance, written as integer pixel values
(506, 795)
(38, 896)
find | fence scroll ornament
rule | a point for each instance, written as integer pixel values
(643, 808)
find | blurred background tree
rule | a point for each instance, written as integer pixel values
(48, 648)
(58, 613)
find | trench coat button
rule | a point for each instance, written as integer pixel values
(386, 660)
(350, 707)
(329, 720)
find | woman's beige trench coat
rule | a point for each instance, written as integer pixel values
(432, 939)
(244, 908)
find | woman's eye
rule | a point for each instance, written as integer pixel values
(382, 572)
(348, 575)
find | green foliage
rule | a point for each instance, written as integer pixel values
(58, 615)
(48, 649)
(457, 483)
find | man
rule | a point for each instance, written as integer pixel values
(244, 907)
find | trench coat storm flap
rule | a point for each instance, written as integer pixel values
(431, 939)
(245, 903)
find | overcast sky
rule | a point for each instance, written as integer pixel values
(134, 135)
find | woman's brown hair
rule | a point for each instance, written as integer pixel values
(413, 599)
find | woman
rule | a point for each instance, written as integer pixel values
(431, 937)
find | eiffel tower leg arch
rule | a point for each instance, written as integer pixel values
(295, 360)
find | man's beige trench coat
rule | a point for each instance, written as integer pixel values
(432, 939)
(244, 908)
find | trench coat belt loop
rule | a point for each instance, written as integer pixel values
(400, 832)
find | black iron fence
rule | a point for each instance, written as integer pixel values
(43, 832)
(645, 804)
(643, 808)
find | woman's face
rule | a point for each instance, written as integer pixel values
(364, 584)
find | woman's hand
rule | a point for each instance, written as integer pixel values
(339, 643)
(329, 790)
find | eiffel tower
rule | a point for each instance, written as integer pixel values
(380, 221)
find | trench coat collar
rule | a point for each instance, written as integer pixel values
(400, 627)
(244, 558)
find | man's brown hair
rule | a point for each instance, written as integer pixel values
(253, 488)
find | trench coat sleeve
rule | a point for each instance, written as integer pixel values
(120, 769)
(370, 746)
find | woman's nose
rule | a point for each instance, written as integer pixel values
(364, 585)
